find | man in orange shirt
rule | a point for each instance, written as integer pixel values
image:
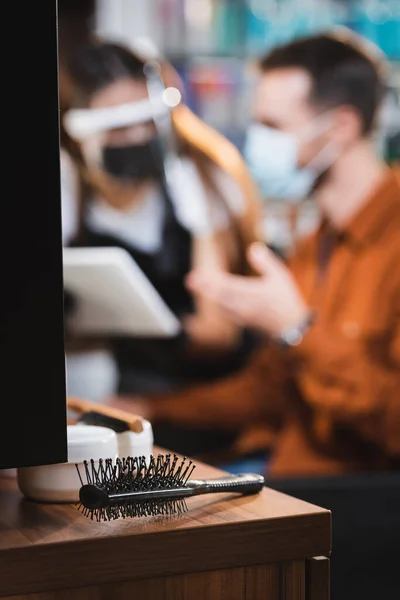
(324, 394)
(336, 309)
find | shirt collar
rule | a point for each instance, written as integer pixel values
(372, 220)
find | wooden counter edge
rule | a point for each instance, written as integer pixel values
(318, 578)
(105, 560)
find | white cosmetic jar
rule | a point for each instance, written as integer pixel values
(133, 444)
(60, 483)
(136, 444)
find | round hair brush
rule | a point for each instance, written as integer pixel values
(134, 487)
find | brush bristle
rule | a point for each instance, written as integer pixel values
(136, 474)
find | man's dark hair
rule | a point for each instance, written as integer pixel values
(342, 72)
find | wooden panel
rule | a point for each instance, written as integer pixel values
(74, 594)
(318, 578)
(263, 581)
(293, 584)
(285, 581)
(216, 585)
(47, 547)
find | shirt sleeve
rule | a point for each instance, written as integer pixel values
(354, 380)
(255, 394)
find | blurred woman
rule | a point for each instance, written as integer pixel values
(189, 205)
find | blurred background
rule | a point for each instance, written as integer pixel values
(212, 44)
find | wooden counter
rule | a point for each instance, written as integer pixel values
(269, 547)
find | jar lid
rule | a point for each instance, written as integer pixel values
(86, 442)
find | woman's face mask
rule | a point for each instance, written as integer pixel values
(135, 162)
(272, 157)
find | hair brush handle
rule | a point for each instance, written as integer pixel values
(246, 483)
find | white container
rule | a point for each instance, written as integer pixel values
(136, 444)
(60, 482)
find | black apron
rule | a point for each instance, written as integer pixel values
(158, 365)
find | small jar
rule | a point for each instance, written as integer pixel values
(136, 444)
(60, 483)
(129, 442)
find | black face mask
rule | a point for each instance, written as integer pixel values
(135, 162)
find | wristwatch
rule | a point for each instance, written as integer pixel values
(294, 335)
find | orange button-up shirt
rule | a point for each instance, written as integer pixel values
(347, 368)
(334, 400)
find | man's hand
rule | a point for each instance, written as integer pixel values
(272, 302)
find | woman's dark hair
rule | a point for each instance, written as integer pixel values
(342, 73)
(75, 25)
(75, 30)
(103, 63)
